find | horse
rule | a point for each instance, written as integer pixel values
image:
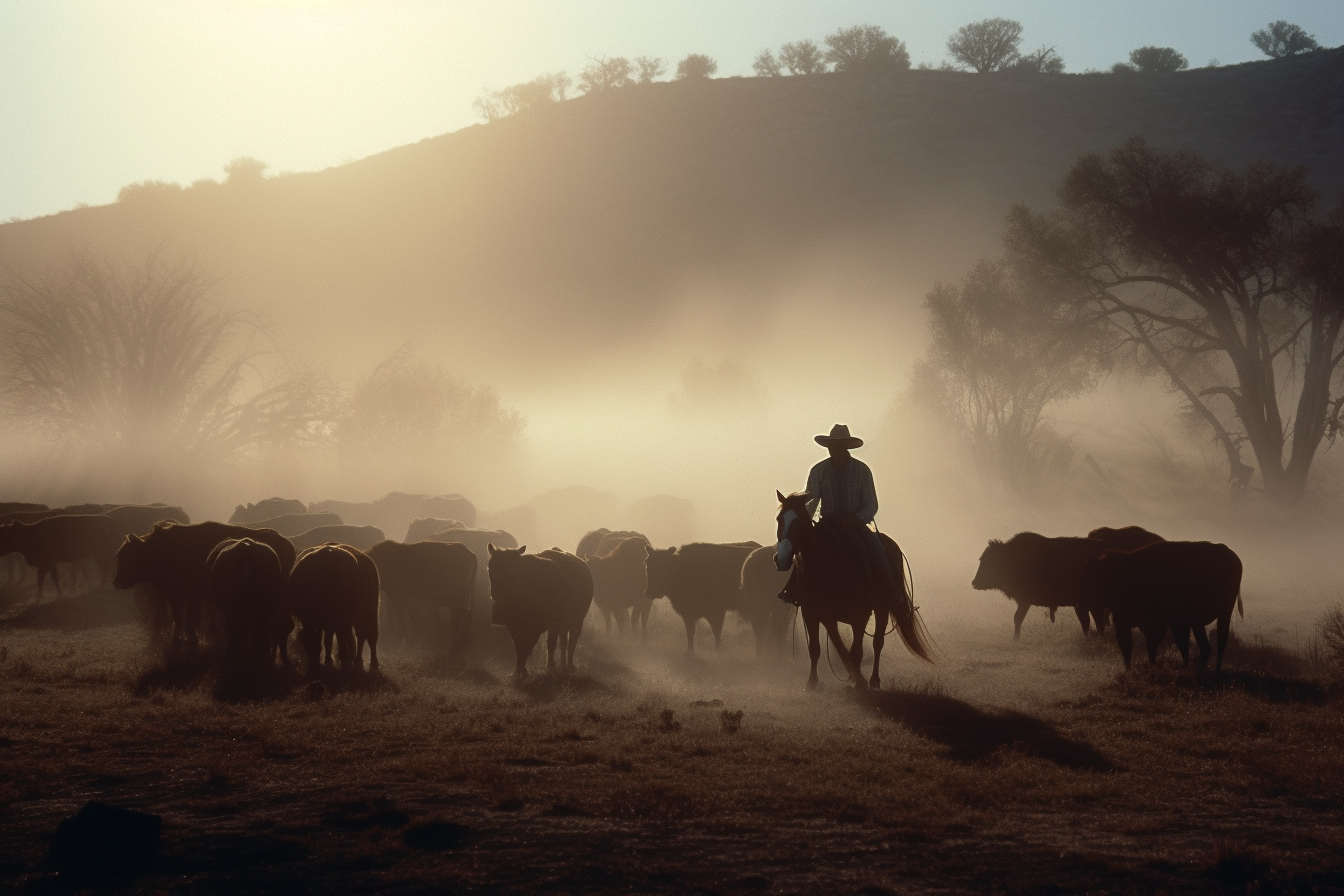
(836, 587)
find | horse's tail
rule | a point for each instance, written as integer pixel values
(909, 625)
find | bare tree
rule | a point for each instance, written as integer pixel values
(766, 65)
(540, 91)
(140, 361)
(803, 57)
(696, 67)
(1221, 280)
(1043, 61)
(651, 68)
(605, 73)
(1002, 352)
(866, 48)
(1279, 39)
(1153, 61)
(409, 407)
(989, 45)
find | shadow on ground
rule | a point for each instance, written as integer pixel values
(187, 669)
(94, 609)
(974, 735)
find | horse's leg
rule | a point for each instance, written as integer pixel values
(858, 627)
(812, 628)
(1022, 608)
(833, 632)
(879, 639)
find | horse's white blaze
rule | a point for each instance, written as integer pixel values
(783, 555)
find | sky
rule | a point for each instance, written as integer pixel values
(95, 95)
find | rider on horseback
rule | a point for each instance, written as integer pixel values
(843, 485)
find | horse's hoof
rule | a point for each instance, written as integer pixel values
(813, 686)
(875, 685)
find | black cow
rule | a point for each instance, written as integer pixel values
(1126, 538)
(424, 582)
(701, 581)
(248, 585)
(1037, 571)
(334, 589)
(534, 593)
(63, 539)
(1177, 585)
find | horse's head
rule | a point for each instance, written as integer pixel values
(790, 525)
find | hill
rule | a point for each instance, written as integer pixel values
(729, 213)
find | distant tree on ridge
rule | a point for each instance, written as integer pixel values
(989, 45)
(696, 67)
(1279, 39)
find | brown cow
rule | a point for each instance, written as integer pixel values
(1127, 538)
(1177, 585)
(297, 523)
(248, 587)
(758, 602)
(1037, 571)
(701, 581)
(171, 559)
(138, 519)
(534, 593)
(479, 540)
(620, 582)
(361, 537)
(421, 529)
(250, 514)
(63, 539)
(422, 583)
(334, 589)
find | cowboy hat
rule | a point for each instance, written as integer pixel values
(839, 438)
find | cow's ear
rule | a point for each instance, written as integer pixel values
(779, 495)
(490, 546)
(523, 549)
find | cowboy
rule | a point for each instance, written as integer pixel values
(843, 486)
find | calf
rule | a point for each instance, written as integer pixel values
(701, 581)
(1036, 571)
(248, 587)
(1177, 585)
(334, 589)
(534, 593)
(171, 559)
(63, 539)
(424, 582)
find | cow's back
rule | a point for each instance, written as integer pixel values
(1051, 568)
(361, 537)
(1192, 582)
(138, 519)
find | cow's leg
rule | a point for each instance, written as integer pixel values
(622, 615)
(1202, 639)
(1099, 617)
(812, 628)
(552, 637)
(716, 626)
(522, 648)
(573, 645)
(1124, 636)
(1052, 615)
(879, 639)
(345, 639)
(690, 623)
(1082, 618)
(327, 637)
(1153, 638)
(41, 580)
(1181, 635)
(1224, 627)
(1021, 614)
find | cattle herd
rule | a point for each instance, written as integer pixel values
(329, 570)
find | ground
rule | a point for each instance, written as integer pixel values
(1012, 766)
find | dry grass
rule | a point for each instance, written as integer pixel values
(1021, 767)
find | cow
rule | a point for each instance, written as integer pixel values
(621, 583)
(249, 514)
(423, 583)
(137, 519)
(534, 593)
(1128, 538)
(361, 537)
(297, 523)
(700, 580)
(1037, 571)
(601, 541)
(171, 560)
(63, 539)
(423, 528)
(758, 602)
(248, 587)
(1177, 585)
(479, 541)
(334, 589)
